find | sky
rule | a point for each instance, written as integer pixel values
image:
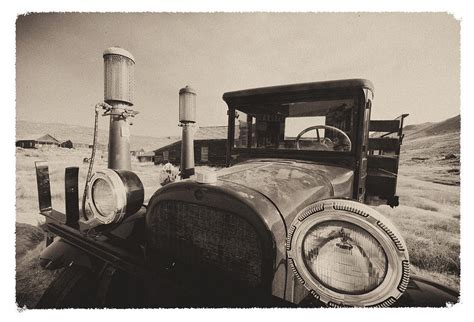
(413, 59)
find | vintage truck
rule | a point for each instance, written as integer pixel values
(284, 224)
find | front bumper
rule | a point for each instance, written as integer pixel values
(165, 291)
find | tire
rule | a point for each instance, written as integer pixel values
(73, 288)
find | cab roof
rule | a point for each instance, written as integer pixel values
(295, 89)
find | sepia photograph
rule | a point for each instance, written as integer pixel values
(237, 160)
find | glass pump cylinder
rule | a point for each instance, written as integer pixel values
(187, 105)
(119, 67)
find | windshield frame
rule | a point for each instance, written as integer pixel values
(239, 153)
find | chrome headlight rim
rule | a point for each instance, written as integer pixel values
(397, 272)
(113, 179)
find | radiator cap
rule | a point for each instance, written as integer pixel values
(206, 176)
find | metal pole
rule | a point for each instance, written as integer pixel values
(187, 151)
(230, 135)
(119, 140)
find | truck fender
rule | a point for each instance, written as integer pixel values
(61, 254)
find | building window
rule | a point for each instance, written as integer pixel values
(166, 156)
(204, 153)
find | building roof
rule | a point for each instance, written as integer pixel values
(48, 138)
(206, 133)
(211, 133)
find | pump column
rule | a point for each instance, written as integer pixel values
(118, 93)
(187, 118)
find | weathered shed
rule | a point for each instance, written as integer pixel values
(146, 156)
(73, 145)
(210, 145)
(137, 153)
(67, 144)
(36, 141)
(48, 139)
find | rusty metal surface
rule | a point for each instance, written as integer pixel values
(43, 186)
(71, 187)
(326, 85)
(275, 190)
(119, 143)
(187, 151)
(289, 184)
(246, 202)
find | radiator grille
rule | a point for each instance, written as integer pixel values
(201, 236)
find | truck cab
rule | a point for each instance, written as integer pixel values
(324, 122)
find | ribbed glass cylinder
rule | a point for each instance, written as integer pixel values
(187, 105)
(118, 76)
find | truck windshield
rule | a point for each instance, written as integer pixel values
(324, 125)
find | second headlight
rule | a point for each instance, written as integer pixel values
(114, 194)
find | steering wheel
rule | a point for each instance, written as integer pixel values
(317, 127)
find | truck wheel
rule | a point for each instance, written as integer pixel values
(73, 288)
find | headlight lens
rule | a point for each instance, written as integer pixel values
(344, 258)
(104, 197)
(114, 194)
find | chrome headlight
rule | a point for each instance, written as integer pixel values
(347, 254)
(114, 194)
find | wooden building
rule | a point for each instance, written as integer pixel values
(210, 145)
(74, 145)
(137, 153)
(100, 146)
(146, 156)
(34, 141)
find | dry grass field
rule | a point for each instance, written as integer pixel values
(428, 216)
(58, 159)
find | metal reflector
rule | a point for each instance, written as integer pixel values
(105, 199)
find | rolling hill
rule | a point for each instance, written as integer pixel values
(431, 151)
(84, 134)
(451, 125)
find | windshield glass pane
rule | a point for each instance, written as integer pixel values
(324, 125)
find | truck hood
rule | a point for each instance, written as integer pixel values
(291, 185)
